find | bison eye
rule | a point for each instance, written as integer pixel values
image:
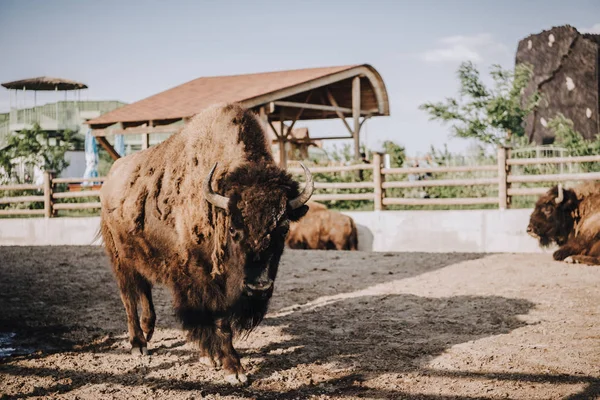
(232, 230)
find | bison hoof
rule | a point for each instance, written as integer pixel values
(137, 351)
(236, 379)
(571, 260)
(211, 362)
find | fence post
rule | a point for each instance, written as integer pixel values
(377, 181)
(48, 211)
(502, 178)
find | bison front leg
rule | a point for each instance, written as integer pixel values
(592, 256)
(579, 259)
(571, 248)
(234, 372)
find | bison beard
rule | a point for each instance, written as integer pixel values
(213, 233)
(571, 219)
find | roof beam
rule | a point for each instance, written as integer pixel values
(137, 130)
(108, 147)
(273, 128)
(332, 138)
(322, 107)
(368, 72)
(339, 114)
(298, 115)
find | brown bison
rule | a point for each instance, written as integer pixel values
(571, 219)
(206, 213)
(323, 229)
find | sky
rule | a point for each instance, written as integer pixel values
(129, 50)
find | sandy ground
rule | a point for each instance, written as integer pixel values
(343, 325)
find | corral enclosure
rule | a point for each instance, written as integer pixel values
(342, 325)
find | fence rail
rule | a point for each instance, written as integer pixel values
(379, 188)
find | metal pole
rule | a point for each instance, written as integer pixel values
(56, 106)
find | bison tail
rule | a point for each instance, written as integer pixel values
(353, 239)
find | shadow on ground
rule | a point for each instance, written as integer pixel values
(68, 294)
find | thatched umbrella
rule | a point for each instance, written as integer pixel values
(44, 83)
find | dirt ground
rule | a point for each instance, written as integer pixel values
(342, 325)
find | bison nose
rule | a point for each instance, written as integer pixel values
(531, 233)
(260, 286)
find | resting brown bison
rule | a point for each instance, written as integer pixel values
(571, 219)
(323, 229)
(163, 222)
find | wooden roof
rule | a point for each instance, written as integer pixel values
(45, 83)
(254, 90)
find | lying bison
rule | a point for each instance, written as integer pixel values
(323, 229)
(571, 219)
(205, 213)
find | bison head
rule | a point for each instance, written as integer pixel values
(259, 203)
(552, 217)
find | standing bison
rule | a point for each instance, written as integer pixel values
(571, 219)
(323, 229)
(205, 213)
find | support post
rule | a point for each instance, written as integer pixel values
(146, 137)
(502, 178)
(48, 211)
(145, 141)
(264, 118)
(356, 115)
(377, 181)
(282, 140)
(282, 155)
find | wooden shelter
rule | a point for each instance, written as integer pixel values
(355, 91)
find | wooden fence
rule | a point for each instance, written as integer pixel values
(383, 179)
(50, 198)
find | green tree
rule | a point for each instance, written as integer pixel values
(35, 147)
(490, 115)
(397, 153)
(567, 137)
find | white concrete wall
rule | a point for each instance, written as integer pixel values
(445, 231)
(428, 231)
(48, 232)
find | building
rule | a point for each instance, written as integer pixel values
(54, 117)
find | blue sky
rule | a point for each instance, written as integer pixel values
(128, 50)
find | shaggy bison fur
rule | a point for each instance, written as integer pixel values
(213, 233)
(571, 219)
(323, 229)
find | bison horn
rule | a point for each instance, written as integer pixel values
(306, 193)
(215, 199)
(561, 194)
